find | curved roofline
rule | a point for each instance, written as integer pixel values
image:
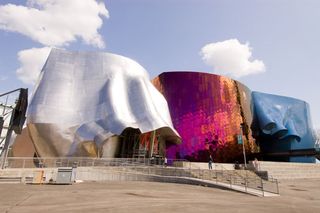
(282, 96)
(202, 72)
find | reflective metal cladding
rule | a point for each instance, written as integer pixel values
(282, 123)
(90, 104)
(208, 111)
(84, 98)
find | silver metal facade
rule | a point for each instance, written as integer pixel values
(84, 98)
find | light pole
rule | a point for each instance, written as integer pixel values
(243, 148)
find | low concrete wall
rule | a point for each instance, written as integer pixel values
(98, 174)
(275, 170)
(288, 170)
(48, 173)
(198, 165)
(101, 174)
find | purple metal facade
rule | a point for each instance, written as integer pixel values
(207, 110)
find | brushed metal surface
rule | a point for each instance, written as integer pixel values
(85, 98)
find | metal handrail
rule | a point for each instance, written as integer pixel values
(31, 162)
(259, 183)
(146, 166)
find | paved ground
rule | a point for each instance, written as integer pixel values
(131, 197)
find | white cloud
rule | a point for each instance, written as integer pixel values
(52, 23)
(32, 61)
(56, 22)
(231, 58)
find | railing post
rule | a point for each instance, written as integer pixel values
(246, 184)
(262, 187)
(216, 176)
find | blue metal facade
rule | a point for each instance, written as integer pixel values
(282, 125)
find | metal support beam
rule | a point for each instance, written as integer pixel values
(5, 150)
(153, 136)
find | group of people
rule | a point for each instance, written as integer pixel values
(159, 161)
(255, 163)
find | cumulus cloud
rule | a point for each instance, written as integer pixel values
(231, 58)
(52, 23)
(56, 22)
(32, 61)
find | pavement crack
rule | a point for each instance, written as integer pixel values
(18, 203)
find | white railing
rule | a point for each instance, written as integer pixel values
(243, 178)
(48, 162)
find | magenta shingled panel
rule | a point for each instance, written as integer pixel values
(207, 110)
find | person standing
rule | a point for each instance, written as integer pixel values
(210, 162)
(256, 164)
(165, 161)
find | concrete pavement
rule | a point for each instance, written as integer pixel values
(133, 197)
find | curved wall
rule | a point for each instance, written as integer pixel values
(85, 98)
(207, 110)
(282, 123)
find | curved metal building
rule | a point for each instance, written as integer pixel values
(208, 111)
(283, 128)
(84, 99)
(93, 104)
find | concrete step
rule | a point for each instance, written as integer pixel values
(283, 170)
(10, 179)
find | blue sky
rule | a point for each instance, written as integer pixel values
(165, 35)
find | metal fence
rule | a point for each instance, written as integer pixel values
(148, 166)
(25, 162)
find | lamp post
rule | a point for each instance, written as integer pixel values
(243, 148)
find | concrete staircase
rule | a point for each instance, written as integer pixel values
(284, 170)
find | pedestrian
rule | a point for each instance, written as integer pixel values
(210, 162)
(256, 164)
(74, 171)
(237, 165)
(165, 161)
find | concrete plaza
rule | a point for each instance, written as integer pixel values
(114, 196)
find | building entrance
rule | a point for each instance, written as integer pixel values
(135, 144)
